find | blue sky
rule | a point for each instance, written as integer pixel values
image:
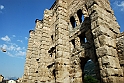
(17, 17)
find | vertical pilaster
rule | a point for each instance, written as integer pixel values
(37, 43)
(45, 59)
(32, 59)
(62, 60)
(27, 75)
(104, 28)
(120, 49)
(76, 63)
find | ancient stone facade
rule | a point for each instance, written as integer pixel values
(63, 42)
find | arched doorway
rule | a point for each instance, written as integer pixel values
(90, 75)
(89, 60)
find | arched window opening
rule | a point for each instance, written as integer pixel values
(36, 71)
(37, 59)
(80, 15)
(73, 22)
(90, 73)
(54, 73)
(73, 42)
(52, 37)
(83, 39)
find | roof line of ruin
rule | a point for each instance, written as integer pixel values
(53, 5)
(49, 9)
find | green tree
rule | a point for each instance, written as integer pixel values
(90, 79)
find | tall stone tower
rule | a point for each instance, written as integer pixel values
(63, 42)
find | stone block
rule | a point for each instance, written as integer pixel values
(61, 75)
(104, 80)
(122, 62)
(59, 54)
(62, 61)
(66, 55)
(96, 42)
(110, 62)
(103, 29)
(103, 73)
(105, 60)
(118, 72)
(105, 40)
(101, 51)
(66, 80)
(105, 50)
(111, 79)
(110, 72)
(78, 74)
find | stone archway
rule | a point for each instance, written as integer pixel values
(83, 49)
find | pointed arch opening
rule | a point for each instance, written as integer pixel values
(90, 75)
(73, 22)
(83, 39)
(80, 15)
(89, 72)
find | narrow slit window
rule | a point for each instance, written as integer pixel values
(73, 22)
(80, 15)
(73, 42)
(52, 37)
(83, 39)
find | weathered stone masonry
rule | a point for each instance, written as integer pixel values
(63, 42)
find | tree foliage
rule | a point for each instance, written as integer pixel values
(90, 79)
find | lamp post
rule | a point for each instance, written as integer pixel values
(3, 50)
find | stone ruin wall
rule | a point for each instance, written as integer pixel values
(63, 42)
(120, 49)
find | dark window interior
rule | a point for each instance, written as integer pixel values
(80, 15)
(73, 22)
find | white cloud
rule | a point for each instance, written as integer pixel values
(20, 41)
(21, 53)
(13, 49)
(26, 38)
(120, 4)
(6, 38)
(4, 46)
(8, 53)
(1, 7)
(18, 48)
(13, 36)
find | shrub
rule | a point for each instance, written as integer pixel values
(90, 79)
